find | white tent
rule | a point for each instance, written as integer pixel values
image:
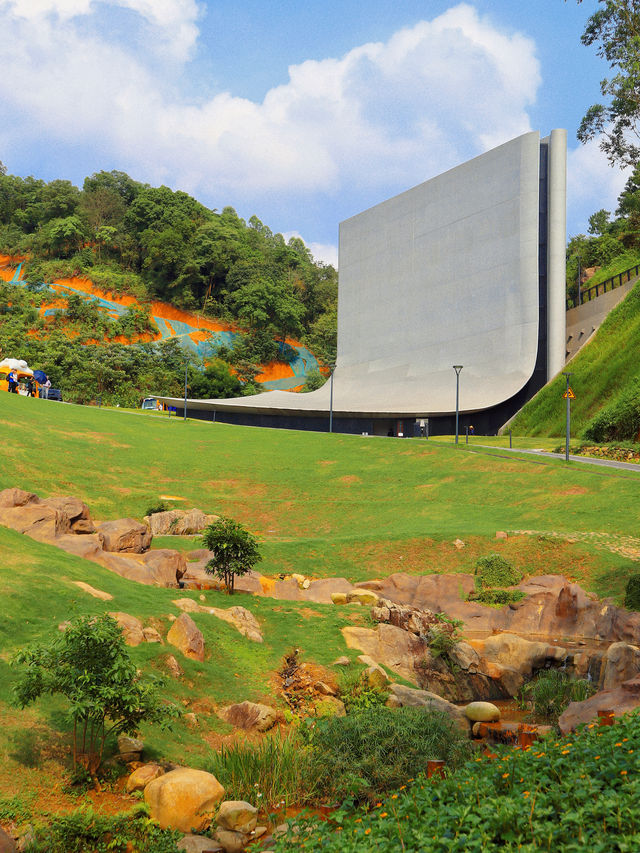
(16, 364)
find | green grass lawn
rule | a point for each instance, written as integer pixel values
(323, 505)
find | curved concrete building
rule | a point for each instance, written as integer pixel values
(466, 268)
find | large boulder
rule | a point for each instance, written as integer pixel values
(179, 522)
(508, 659)
(252, 716)
(185, 635)
(7, 844)
(399, 650)
(125, 565)
(237, 815)
(408, 697)
(17, 497)
(621, 700)
(481, 712)
(124, 534)
(620, 662)
(142, 775)
(165, 565)
(184, 799)
(36, 520)
(242, 619)
(132, 629)
(72, 509)
(199, 844)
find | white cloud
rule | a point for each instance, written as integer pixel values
(399, 111)
(592, 184)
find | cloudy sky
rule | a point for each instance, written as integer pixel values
(301, 113)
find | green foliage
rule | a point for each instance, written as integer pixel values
(363, 755)
(90, 666)
(157, 506)
(357, 694)
(272, 772)
(552, 690)
(497, 597)
(495, 571)
(571, 795)
(235, 550)
(85, 830)
(620, 419)
(615, 31)
(314, 381)
(632, 593)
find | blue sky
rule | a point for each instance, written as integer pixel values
(301, 113)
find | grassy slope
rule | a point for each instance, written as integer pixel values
(323, 504)
(601, 371)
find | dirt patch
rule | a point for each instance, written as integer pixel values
(573, 490)
(350, 479)
(325, 462)
(309, 613)
(97, 437)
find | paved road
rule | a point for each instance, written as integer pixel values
(587, 460)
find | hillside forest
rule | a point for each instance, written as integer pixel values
(154, 244)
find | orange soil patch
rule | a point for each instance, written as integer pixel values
(87, 286)
(198, 336)
(573, 490)
(327, 461)
(169, 312)
(275, 370)
(349, 479)
(12, 259)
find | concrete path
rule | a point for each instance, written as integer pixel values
(588, 460)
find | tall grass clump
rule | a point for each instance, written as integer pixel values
(362, 755)
(552, 691)
(270, 772)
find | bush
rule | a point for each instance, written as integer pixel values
(85, 830)
(497, 597)
(362, 755)
(494, 570)
(273, 770)
(357, 695)
(235, 550)
(552, 690)
(632, 593)
(157, 506)
(619, 420)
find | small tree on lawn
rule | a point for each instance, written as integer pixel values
(90, 666)
(235, 550)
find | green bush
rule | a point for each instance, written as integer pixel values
(84, 830)
(357, 695)
(362, 755)
(494, 570)
(268, 772)
(157, 506)
(552, 690)
(632, 593)
(619, 420)
(497, 597)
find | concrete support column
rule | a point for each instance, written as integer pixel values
(556, 252)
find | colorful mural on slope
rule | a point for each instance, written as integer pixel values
(200, 334)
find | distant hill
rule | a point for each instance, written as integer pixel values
(233, 292)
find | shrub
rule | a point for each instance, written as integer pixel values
(235, 550)
(362, 755)
(273, 770)
(90, 666)
(619, 420)
(494, 570)
(632, 593)
(85, 830)
(552, 690)
(497, 597)
(357, 694)
(157, 506)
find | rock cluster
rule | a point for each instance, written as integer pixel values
(179, 522)
(121, 545)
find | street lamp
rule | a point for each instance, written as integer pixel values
(332, 367)
(186, 367)
(457, 368)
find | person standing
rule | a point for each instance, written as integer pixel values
(30, 387)
(12, 381)
(45, 389)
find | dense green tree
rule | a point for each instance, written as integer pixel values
(235, 550)
(614, 29)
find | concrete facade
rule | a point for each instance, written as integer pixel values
(466, 268)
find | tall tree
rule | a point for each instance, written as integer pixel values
(615, 31)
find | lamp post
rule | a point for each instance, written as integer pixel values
(457, 368)
(332, 367)
(568, 398)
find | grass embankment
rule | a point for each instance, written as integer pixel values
(602, 371)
